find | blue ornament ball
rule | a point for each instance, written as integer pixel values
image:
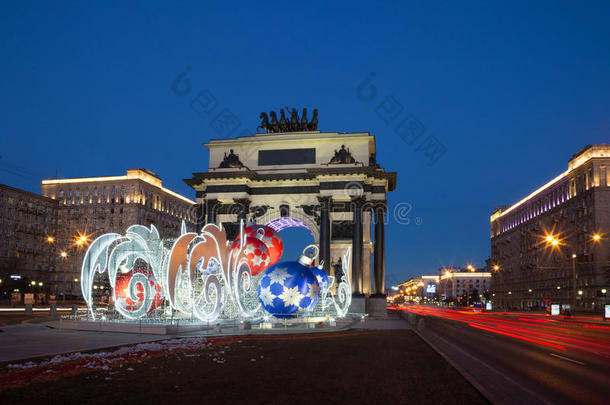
(288, 289)
(322, 278)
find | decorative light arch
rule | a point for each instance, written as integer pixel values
(297, 219)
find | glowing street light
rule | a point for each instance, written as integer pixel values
(50, 239)
(496, 267)
(555, 242)
(40, 284)
(63, 254)
(597, 237)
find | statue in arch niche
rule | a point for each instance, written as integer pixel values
(231, 161)
(342, 156)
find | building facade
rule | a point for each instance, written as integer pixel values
(552, 246)
(89, 207)
(327, 182)
(413, 289)
(27, 220)
(457, 284)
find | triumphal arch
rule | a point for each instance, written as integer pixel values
(290, 174)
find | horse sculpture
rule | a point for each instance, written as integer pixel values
(271, 124)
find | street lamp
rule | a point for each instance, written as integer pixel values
(63, 254)
(50, 239)
(554, 242)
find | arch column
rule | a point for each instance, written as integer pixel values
(379, 250)
(212, 206)
(357, 273)
(325, 235)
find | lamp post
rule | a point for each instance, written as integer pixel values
(573, 297)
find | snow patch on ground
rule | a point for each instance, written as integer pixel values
(102, 360)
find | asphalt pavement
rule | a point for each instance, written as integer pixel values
(518, 358)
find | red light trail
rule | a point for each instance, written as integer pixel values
(559, 334)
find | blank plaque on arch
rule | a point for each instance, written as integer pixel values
(278, 157)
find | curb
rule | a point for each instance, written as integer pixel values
(482, 390)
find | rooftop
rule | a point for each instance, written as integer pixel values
(144, 175)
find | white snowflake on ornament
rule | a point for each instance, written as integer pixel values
(266, 295)
(313, 290)
(291, 296)
(278, 276)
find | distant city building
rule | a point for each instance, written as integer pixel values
(555, 235)
(455, 282)
(26, 221)
(88, 207)
(464, 282)
(412, 289)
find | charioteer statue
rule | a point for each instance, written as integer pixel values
(285, 124)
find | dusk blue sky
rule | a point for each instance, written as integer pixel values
(511, 89)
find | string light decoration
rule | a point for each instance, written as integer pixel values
(199, 276)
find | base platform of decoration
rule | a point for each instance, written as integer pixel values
(358, 305)
(132, 327)
(376, 306)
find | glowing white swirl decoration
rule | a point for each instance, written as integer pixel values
(196, 275)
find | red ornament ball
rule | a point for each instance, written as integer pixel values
(121, 290)
(256, 253)
(271, 239)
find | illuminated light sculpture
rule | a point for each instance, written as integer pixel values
(131, 294)
(290, 288)
(198, 275)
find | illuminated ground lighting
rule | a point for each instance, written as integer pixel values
(579, 292)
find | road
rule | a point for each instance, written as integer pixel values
(524, 358)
